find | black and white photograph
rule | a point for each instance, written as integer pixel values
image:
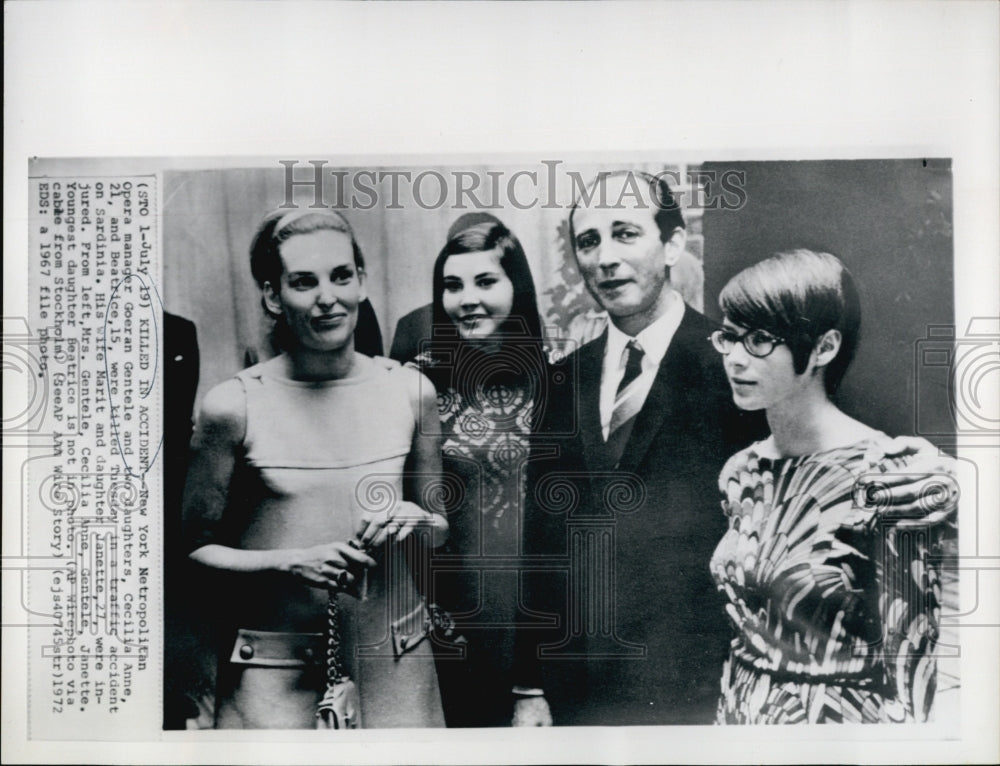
(553, 494)
(379, 437)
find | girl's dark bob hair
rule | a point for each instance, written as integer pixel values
(277, 227)
(798, 296)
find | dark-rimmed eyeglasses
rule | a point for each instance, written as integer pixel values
(758, 343)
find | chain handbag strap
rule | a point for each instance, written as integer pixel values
(335, 709)
(326, 712)
(334, 659)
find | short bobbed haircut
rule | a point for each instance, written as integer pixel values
(667, 213)
(278, 227)
(798, 296)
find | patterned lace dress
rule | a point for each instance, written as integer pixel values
(485, 450)
(835, 601)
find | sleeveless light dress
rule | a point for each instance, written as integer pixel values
(316, 457)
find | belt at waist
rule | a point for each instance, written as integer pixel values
(866, 678)
(277, 650)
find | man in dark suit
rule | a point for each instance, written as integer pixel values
(367, 335)
(187, 675)
(623, 509)
(412, 330)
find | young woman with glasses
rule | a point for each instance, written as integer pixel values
(834, 595)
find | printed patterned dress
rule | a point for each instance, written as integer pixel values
(834, 600)
(485, 450)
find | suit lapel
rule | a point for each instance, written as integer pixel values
(660, 410)
(591, 366)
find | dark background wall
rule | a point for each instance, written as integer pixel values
(890, 222)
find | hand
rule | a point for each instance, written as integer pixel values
(900, 446)
(394, 525)
(925, 487)
(334, 566)
(531, 711)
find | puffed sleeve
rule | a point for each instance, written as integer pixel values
(910, 543)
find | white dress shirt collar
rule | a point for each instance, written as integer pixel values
(654, 341)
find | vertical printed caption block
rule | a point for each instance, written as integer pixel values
(93, 506)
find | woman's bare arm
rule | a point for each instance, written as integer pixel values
(218, 437)
(426, 485)
(423, 478)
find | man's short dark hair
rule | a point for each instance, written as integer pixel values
(668, 215)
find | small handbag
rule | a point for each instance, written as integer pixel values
(340, 707)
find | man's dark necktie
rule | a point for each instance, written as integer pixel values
(626, 404)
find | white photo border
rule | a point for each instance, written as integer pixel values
(733, 80)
